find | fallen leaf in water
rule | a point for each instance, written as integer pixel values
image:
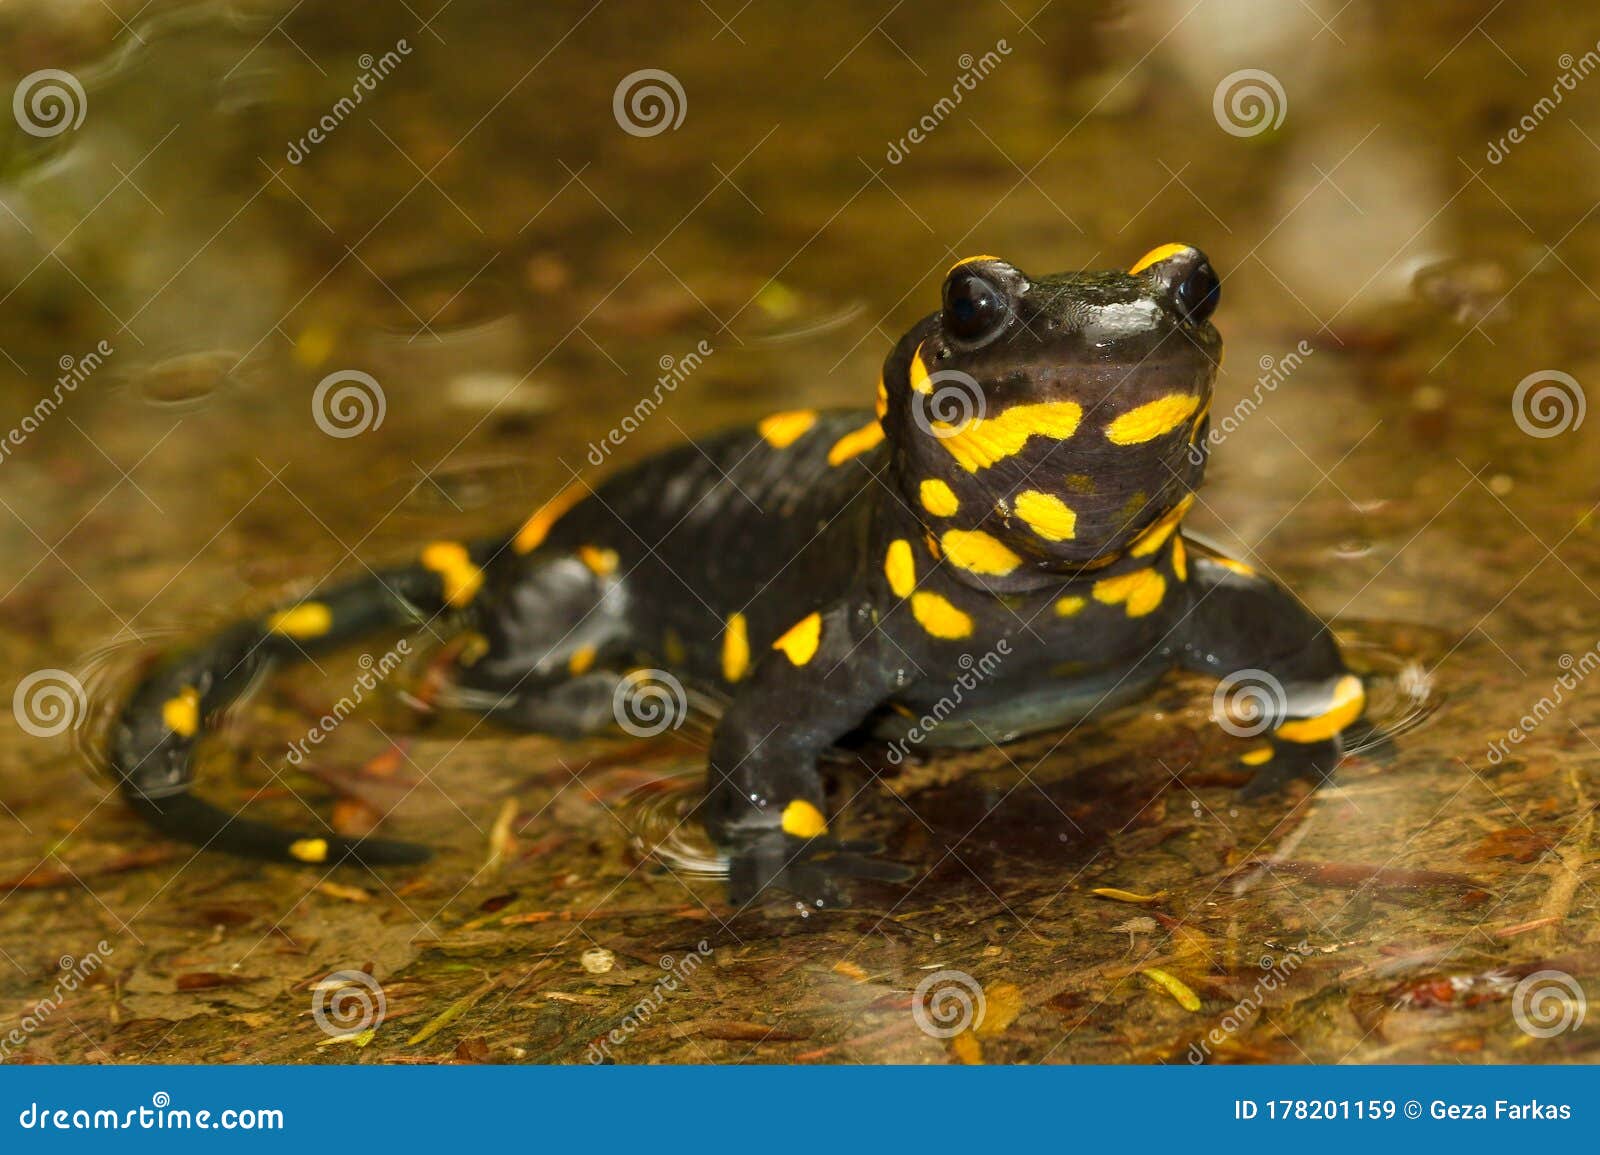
(1174, 986)
(1116, 895)
(1003, 1002)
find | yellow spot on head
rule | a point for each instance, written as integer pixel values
(984, 441)
(182, 714)
(1152, 419)
(602, 562)
(310, 849)
(803, 820)
(1067, 606)
(1047, 515)
(1140, 591)
(977, 552)
(450, 560)
(582, 660)
(1180, 560)
(938, 498)
(782, 430)
(920, 380)
(1156, 255)
(970, 260)
(306, 620)
(735, 649)
(1349, 699)
(900, 568)
(855, 443)
(936, 615)
(1157, 532)
(801, 640)
(537, 527)
(1260, 756)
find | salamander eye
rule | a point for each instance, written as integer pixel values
(1197, 294)
(975, 307)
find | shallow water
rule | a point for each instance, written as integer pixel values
(482, 238)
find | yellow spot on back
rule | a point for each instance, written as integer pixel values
(306, 620)
(601, 562)
(1157, 532)
(182, 713)
(1152, 419)
(735, 649)
(1067, 606)
(982, 442)
(855, 443)
(803, 820)
(938, 498)
(1155, 256)
(537, 527)
(900, 568)
(1139, 592)
(1260, 756)
(977, 552)
(309, 849)
(936, 615)
(1349, 698)
(801, 640)
(450, 560)
(782, 430)
(920, 380)
(582, 660)
(1047, 515)
(1180, 560)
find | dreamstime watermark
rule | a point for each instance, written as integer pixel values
(678, 972)
(649, 702)
(348, 403)
(1245, 1010)
(1548, 403)
(348, 1003)
(49, 702)
(674, 372)
(1572, 71)
(974, 671)
(973, 69)
(649, 102)
(951, 401)
(1548, 1003)
(948, 1002)
(74, 372)
(1249, 102)
(373, 69)
(373, 672)
(49, 102)
(74, 973)
(1577, 669)
(1248, 702)
(1274, 372)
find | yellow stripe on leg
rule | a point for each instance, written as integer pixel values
(1349, 699)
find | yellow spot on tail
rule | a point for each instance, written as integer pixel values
(803, 820)
(1152, 419)
(1349, 697)
(1047, 515)
(1232, 566)
(1139, 592)
(537, 527)
(1260, 756)
(920, 381)
(936, 615)
(900, 568)
(977, 552)
(983, 441)
(882, 405)
(1180, 560)
(735, 649)
(938, 498)
(1156, 533)
(306, 620)
(801, 640)
(182, 714)
(310, 849)
(969, 260)
(450, 560)
(782, 430)
(855, 443)
(1156, 255)
(601, 562)
(1067, 606)
(582, 660)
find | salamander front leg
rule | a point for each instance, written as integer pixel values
(1282, 683)
(766, 805)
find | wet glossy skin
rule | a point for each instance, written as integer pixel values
(995, 551)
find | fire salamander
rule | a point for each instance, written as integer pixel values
(1018, 494)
